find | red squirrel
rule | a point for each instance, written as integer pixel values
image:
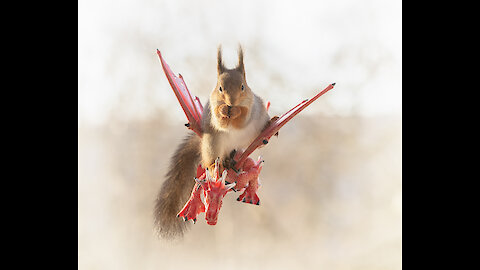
(232, 118)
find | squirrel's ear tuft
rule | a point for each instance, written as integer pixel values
(240, 67)
(220, 66)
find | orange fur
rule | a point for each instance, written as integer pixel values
(229, 112)
(236, 117)
(232, 98)
(225, 129)
(239, 121)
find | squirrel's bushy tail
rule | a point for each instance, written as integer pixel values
(177, 187)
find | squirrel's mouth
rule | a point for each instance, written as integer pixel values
(230, 116)
(229, 112)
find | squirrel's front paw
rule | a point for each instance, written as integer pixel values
(192, 208)
(230, 161)
(249, 196)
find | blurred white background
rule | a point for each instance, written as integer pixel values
(336, 205)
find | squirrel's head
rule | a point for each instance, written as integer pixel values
(231, 100)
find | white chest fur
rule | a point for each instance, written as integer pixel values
(241, 138)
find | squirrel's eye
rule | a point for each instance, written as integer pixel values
(220, 89)
(242, 87)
